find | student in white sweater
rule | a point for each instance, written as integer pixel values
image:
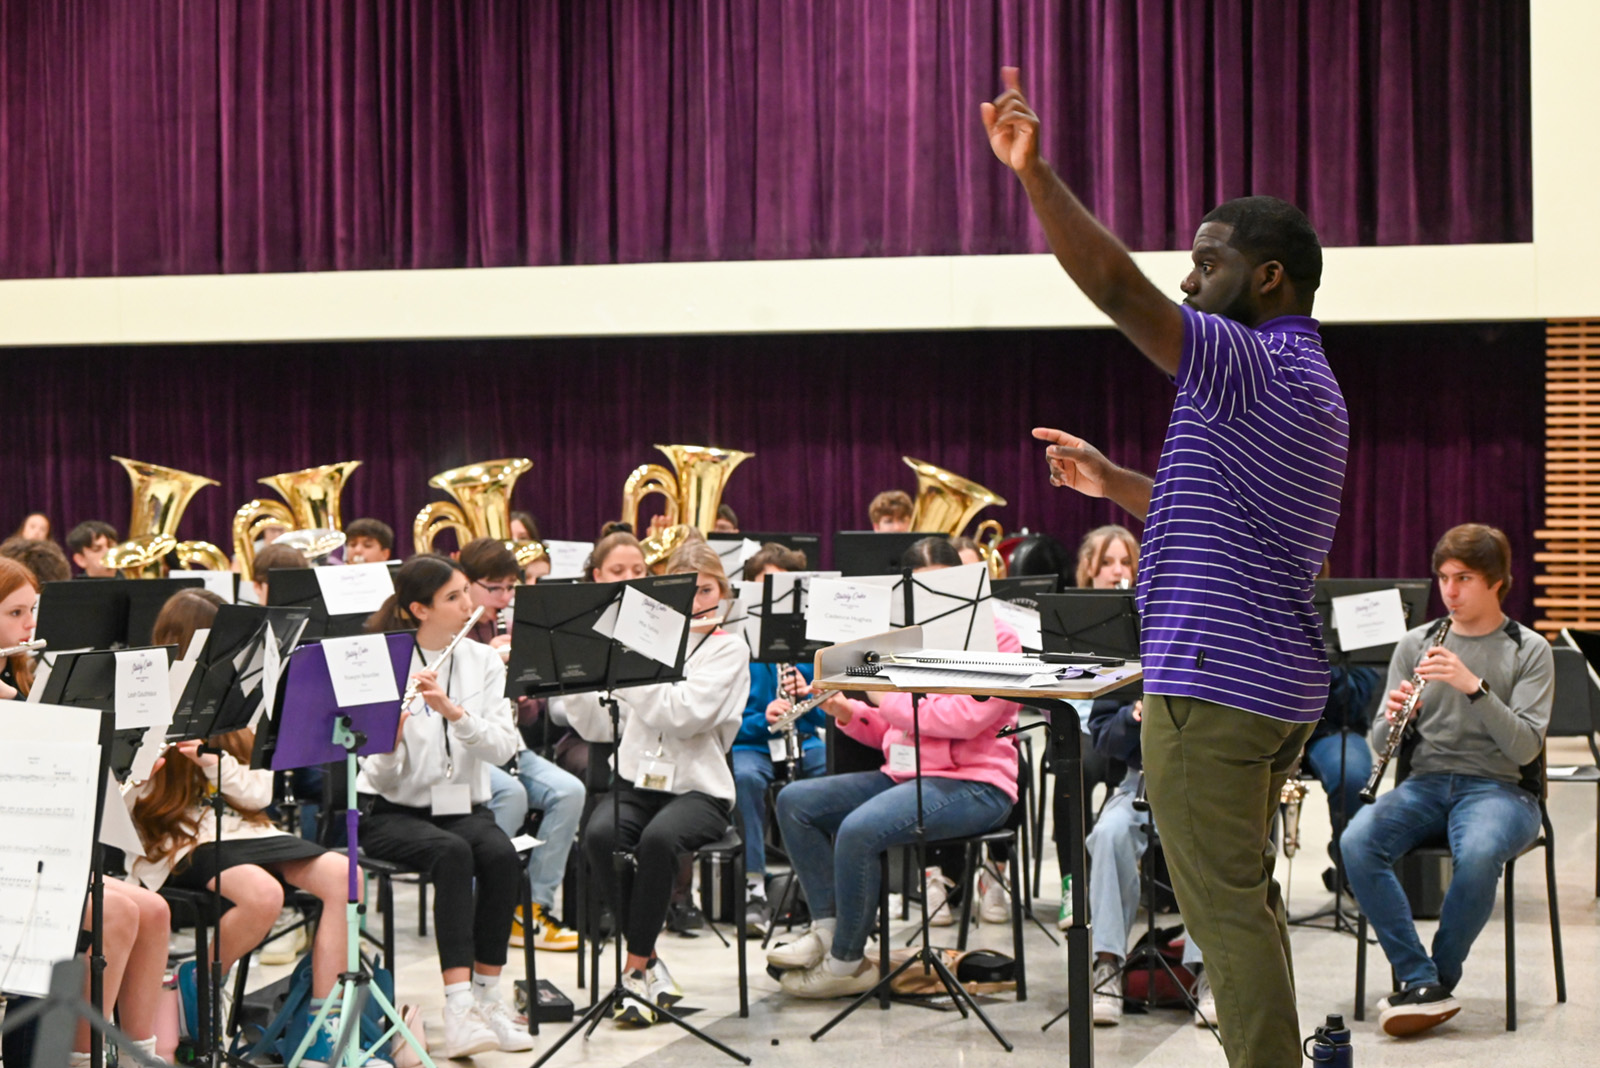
(426, 801)
(676, 789)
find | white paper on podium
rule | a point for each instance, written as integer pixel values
(143, 697)
(350, 589)
(649, 626)
(953, 607)
(218, 582)
(1025, 621)
(1367, 619)
(48, 781)
(360, 670)
(844, 610)
(567, 557)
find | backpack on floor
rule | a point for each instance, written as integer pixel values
(282, 1035)
(1163, 943)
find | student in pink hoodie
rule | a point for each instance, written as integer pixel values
(835, 827)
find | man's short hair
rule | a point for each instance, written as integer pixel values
(44, 558)
(773, 555)
(85, 534)
(486, 559)
(1482, 548)
(376, 529)
(890, 504)
(1266, 228)
(281, 557)
(727, 513)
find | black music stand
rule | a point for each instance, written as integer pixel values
(867, 552)
(556, 651)
(1024, 589)
(1089, 621)
(298, 587)
(105, 614)
(809, 545)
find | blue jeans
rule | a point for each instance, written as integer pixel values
(540, 785)
(1115, 847)
(753, 773)
(1322, 757)
(836, 826)
(1487, 822)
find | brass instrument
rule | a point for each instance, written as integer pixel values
(412, 687)
(692, 489)
(1293, 794)
(945, 503)
(160, 494)
(481, 509)
(311, 515)
(1406, 716)
(26, 647)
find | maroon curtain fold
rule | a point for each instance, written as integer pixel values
(205, 136)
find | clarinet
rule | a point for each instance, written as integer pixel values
(791, 737)
(1406, 716)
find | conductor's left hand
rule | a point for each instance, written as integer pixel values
(1012, 126)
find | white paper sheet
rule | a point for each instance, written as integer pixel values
(360, 670)
(143, 696)
(116, 825)
(271, 671)
(955, 678)
(354, 588)
(842, 611)
(649, 626)
(953, 607)
(218, 582)
(1025, 621)
(1367, 619)
(567, 557)
(197, 642)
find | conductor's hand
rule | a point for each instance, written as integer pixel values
(429, 690)
(191, 749)
(1074, 462)
(1397, 697)
(1441, 665)
(1012, 126)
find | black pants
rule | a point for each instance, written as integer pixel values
(656, 828)
(454, 851)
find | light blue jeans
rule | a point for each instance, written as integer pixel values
(836, 826)
(1487, 822)
(541, 785)
(753, 772)
(1115, 847)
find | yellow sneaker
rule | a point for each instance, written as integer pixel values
(549, 934)
(517, 934)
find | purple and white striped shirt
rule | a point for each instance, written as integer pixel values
(1242, 513)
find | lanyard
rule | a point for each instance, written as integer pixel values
(444, 724)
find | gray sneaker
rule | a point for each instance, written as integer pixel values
(1107, 987)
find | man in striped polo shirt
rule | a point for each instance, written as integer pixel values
(1238, 519)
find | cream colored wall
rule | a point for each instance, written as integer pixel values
(1544, 279)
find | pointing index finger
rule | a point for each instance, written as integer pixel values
(1009, 77)
(1057, 437)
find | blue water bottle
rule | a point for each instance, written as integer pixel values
(1330, 1044)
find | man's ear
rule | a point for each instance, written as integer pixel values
(1270, 277)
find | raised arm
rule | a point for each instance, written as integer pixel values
(1091, 255)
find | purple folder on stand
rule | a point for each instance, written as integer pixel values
(306, 709)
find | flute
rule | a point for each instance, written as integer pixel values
(26, 647)
(791, 717)
(411, 688)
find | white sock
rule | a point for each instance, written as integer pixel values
(835, 966)
(823, 926)
(147, 1046)
(485, 987)
(458, 997)
(755, 886)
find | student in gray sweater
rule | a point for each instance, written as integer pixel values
(1482, 718)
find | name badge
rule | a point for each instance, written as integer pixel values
(452, 799)
(656, 774)
(903, 758)
(778, 746)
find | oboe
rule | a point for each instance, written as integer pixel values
(1408, 713)
(411, 688)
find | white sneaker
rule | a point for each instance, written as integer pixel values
(466, 1032)
(818, 982)
(994, 903)
(806, 951)
(664, 990)
(1205, 1002)
(631, 1013)
(1107, 987)
(940, 914)
(511, 1036)
(285, 948)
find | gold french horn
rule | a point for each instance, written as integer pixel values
(945, 503)
(692, 489)
(160, 494)
(481, 509)
(311, 515)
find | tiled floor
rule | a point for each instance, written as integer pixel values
(778, 1028)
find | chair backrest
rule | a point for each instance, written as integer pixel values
(1572, 715)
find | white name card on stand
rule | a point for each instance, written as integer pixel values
(1367, 619)
(218, 582)
(143, 692)
(649, 626)
(841, 611)
(1023, 620)
(351, 589)
(567, 557)
(360, 670)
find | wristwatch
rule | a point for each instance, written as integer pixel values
(1481, 691)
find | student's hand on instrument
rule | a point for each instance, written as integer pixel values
(775, 709)
(838, 706)
(795, 684)
(1074, 462)
(1441, 665)
(1397, 698)
(191, 749)
(1012, 125)
(500, 641)
(658, 524)
(429, 690)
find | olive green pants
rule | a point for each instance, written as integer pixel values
(1213, 775)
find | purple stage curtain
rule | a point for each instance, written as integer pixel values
(207, 136)
(1446, 426)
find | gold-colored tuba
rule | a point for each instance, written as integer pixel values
(692, 489)
(311, 515)
(160, 494)
(945, 504)
(482, 507)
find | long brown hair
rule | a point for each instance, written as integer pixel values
(14, 576)
(184, 613)
(416, 582)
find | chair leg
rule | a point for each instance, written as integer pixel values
(1555, 918)
(422, 908)
(530, 969)
(386, 904)
(1511, 946)
(202, 986)
(1361, 967)
(1019, 876)
(969, 884)
(733, 863)
(883, 925)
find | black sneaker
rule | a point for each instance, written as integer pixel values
(1417, 1008)
(682, 918)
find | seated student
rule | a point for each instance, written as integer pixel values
(272, 558)
(727, 521)
(35, 526)
(753, 767)
(1482, 719)
(1338, 747)
(368, 541)
(524, 528)
(537, 783)
(836, 826)
(681, 732)
(44, 558)
(890, 512)
(88, 543)
(134, 921)
(1114, 849)
(182, 850)
(427, 800)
